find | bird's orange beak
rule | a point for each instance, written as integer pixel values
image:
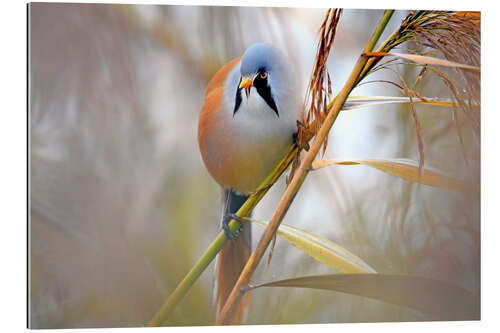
(247, 84)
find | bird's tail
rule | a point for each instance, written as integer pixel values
(231, 260)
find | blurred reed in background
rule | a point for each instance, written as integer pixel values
(116, 175)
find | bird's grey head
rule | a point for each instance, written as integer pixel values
(261, 56)
(265, 68)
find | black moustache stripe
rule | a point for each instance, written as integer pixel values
(237, 101)
(263, 89)
(265, 93)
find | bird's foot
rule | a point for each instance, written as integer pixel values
(232, 235)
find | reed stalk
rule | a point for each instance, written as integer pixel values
(219, 242)
(300, 175)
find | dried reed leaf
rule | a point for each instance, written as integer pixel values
(442, 300)
(321, 249)
(319, 90)
(401, 168)
(424, 60)
(356, 102)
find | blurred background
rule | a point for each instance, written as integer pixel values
(121, 205)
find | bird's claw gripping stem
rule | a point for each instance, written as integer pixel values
(232, 235)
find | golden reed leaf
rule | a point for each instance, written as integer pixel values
(404, 169)
(321, 249)
(424, 60)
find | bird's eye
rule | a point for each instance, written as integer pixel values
(263, 75)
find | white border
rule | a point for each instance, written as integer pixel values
(13, 172)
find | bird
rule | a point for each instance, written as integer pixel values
(246, 124)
